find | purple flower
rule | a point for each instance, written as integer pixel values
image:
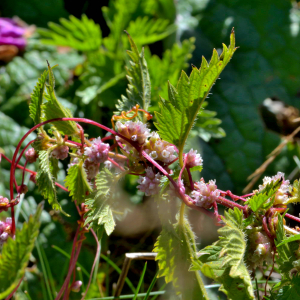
(11, 33)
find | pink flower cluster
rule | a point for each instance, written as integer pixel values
(5, 231)
(98, 152)
(135, 131)
(193, 159)
(149, 184)
(60, 152)
(205, 194)
(11, 33)
(31, 155)
(280, 196)
(160, 150)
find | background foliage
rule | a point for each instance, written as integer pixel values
(90, 78)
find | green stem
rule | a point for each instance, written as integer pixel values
(181, 213)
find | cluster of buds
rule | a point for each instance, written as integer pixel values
(60, 152)
(260, 247)
(149, 184)
(5, 231)
(281, 195)
(134, 131)
(98, 152)
(160, 150)
(31, 155)
(3, 203)
(205, 194)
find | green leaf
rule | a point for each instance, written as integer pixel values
(77, 183)
(147, 31)
(254, 74)
(177, 115)
(35, 106)
(82, 35)
(16, 253)
(139, 87)
(286, 251)
(175, 248)
(259, 199)
(100, 206)
(223, 261)
(288, 292)
(45, 179)
(54, 109)
(290, 239)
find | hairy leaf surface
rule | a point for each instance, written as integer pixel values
(100, 213)
(35, 106)
(139, 87)
(223, 261)
(77, 183)
(16, 253)
(175, 249)
(178, 113)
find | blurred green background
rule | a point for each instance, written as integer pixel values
(90, 78)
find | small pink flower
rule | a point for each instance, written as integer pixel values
(31, 155)
(135, 131)
(3, 203)
(5, 231)
(92, 169)
(76, 286)
(205, 194)
(149, 184)
(60, 152)
(97, 152)
(160, 150)
(193, 159)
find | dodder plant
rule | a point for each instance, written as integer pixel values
(252, 234)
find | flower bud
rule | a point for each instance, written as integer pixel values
(91, 168)
(33, 178)
(76, 286)
(60, 152)
(23, 189)
(31, 155)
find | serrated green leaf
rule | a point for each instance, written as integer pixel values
(289, 239)
(35, 106)
(259, 199)
(16, 253)
(175, 247)
(82, 35)
(77, 183)
(100, 211)
(54, 109)
(177, 115)
(224, 260)
(286, 252)
(139, 87)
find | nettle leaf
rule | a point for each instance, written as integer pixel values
(100, 211)
(77, 183)
(54, 109)
(168, 67)
(288, 292)
(175, 249)
(177, 115)
(35, 106)
(259, 199)
(82, 35)
(16, 253)
(295, 193)
(223, 261)
(285, 249)
(139, 87)
(45, 179)
(147, 31)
